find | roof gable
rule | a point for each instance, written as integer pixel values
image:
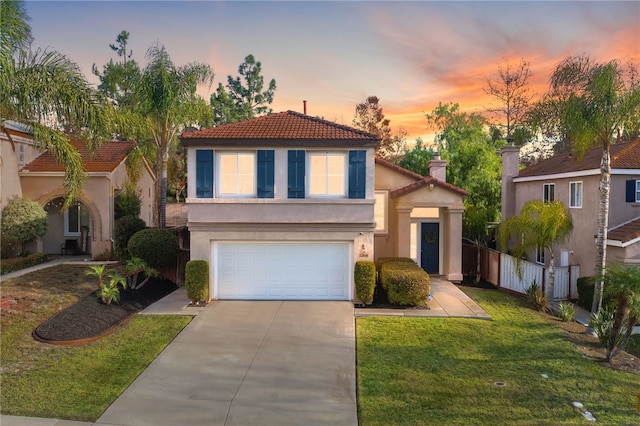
(420, 181)
(106, 158)
(623, 156)
(288, 128)
(626, 232)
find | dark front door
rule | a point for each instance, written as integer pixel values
(430, 248)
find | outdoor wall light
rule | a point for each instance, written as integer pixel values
(363, 251)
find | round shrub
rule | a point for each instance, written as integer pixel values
(23, 220)
(364, 276)
(408, 288)
(157, 247)
(123, 231)
(196, 280)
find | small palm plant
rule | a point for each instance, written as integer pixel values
(567, 311)
(536, 297)
(110, 291)
(98, 271)
(134, 267)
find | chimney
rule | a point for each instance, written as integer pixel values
(510, 167)
(304, 107)
(438, 168)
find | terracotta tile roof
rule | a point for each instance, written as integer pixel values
(108, 156)
(623, 156)
(420, 181)
(625, 233)
(288, 128)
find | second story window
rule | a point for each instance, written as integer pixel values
(548, 192)
(575, 195)
(633, 191)
(327, 174)
(237, 174)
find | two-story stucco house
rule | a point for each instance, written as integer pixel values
(282, 206)
(88, 224)
(575, 182)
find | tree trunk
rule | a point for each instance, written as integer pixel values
(552, 276)
(603, 223)
(162, 202)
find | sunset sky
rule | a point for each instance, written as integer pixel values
(412, 55)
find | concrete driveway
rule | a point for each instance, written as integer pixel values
(250, 363)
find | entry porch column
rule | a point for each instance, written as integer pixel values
(403, 240)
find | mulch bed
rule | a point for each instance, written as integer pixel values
(89, 318)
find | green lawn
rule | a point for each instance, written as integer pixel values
(79, 382)
(441, 371)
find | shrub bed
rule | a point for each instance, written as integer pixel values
(157, 247)
(405, 282)
(125, 228)
(196, 280)
(17, 263)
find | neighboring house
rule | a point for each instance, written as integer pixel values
(87, 226)
(575, 182)
(282, 206)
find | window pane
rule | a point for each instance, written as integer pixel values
(318, 173)
(73, 218)
(228, 172)
(246, 165)
(638, 191)
(327, 174)
(85, 216)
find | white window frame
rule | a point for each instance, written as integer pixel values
(575, 194)
(345, 171)
(219, 178)
(548, 185)
(637, 191)
(540, 255)
(67, 232)
(21, 154)
(381, 228)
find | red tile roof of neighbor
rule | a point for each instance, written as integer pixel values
(420, 180)
(623, 156)
(288, 128)
(627, 232)
(107, 157)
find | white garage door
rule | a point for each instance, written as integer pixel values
(281, 270)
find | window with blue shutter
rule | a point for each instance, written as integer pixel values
(296, 172)
(204, 173)
(265, 173)
(633, 191)
(357, 174)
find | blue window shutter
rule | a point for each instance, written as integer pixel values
(265, 173)
(631, 191)
(296, 172)
(204, 173)
(357, 174)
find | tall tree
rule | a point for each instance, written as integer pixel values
(169, 103)
(370, 117)
(118, 79)
(540, 225)
(474, 165)
(244, 96)
(510, 88)
(593, 102)
(417, 158)
(46, 90)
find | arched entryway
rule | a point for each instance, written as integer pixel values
(70, 231)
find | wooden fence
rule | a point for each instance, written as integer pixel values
(500, 269)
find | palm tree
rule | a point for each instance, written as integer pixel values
(623, 286)
(45, 90)
(168, 103)
(540, 225)
(593, 102)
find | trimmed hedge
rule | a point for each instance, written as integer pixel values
(196, 280)
(124, 229)
(17, 263)
(157, 247)
(586, 287)
(406, 283)
(364, 276)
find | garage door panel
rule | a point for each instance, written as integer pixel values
(277, 270)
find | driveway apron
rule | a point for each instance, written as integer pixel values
(250, 363)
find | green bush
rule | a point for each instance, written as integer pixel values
(157, 247)
(17, 263)
(364, 276)
(585, 292)
(126, 203)
(408, 287)
(196, 280)
(537, 298)
(567, 311)
(389, 264)
(23, 220)
(124, 229)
